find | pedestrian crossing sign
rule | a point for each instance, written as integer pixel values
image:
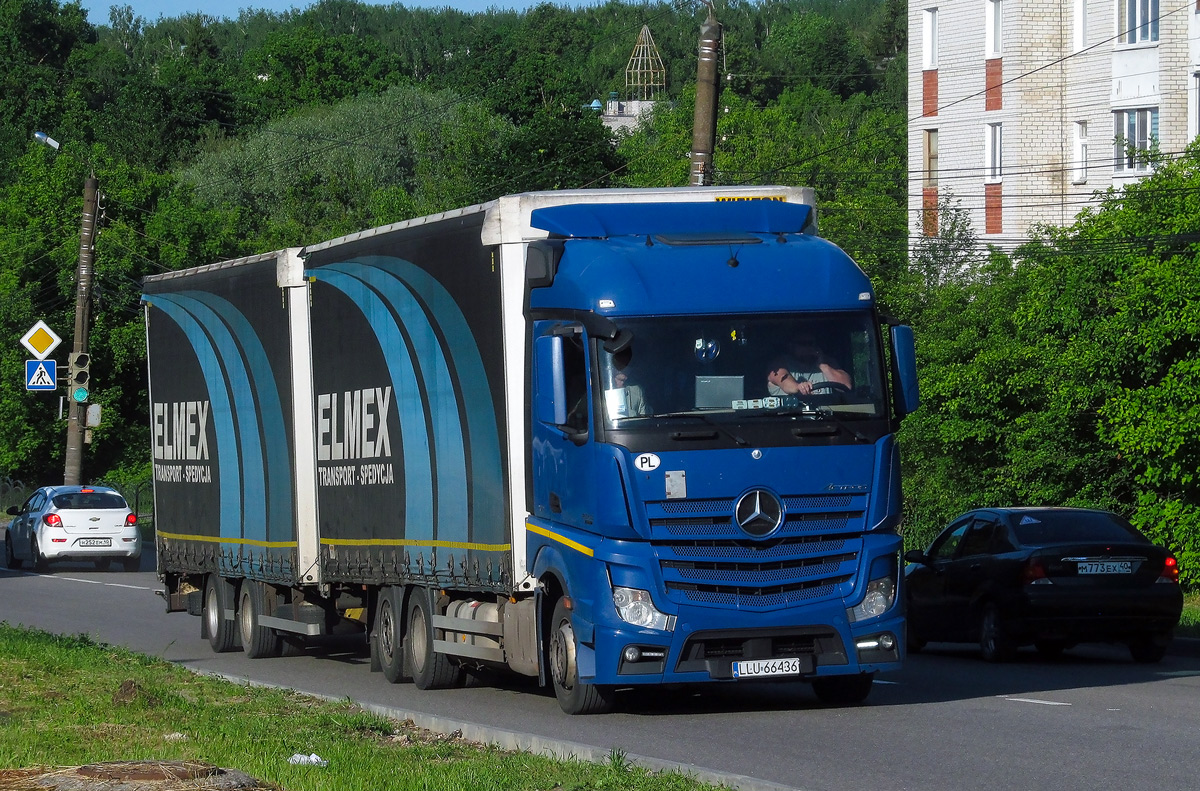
(41, 375)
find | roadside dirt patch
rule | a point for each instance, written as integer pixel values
(132, 776)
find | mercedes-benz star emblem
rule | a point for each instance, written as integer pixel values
(758, 513)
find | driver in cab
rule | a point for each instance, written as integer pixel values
(806, 369)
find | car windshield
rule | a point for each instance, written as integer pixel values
(736, 367)
(1036, 528)
(89, 500)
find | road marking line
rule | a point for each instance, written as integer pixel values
(1034, 700)
(94, 582)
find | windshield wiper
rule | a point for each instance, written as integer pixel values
(823, 418)
(701, 435)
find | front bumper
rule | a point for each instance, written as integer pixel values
(705, 645)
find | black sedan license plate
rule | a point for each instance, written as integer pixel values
(95, 542)
(1105, 567)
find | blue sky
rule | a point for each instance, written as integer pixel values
(151, 10)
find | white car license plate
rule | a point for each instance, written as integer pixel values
(757, 668)
(95, 542)
(1105, 567)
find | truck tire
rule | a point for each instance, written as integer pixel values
(843, 690)
(389, 634)
(10, 560)
(430, 670)
(220, 632)
(258, 641)
(574, 696)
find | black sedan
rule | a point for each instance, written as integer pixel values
(1051, 577)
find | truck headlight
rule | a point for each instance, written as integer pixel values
(636, 607)
(881, 595)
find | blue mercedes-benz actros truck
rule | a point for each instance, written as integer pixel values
(604, 438)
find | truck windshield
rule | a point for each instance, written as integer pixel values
(737, 368)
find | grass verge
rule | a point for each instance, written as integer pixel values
(1189, 622)
(68, 701)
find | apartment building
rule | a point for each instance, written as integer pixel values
(1022, 109)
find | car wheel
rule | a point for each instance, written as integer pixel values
(389, 634)
(994, 641)
(221, 633)
(1148, 649)
(10, 560)
(574, 696)
(102, 564)
(131, 564)
(40, 563)
(843, 690)
(258, 641)
(430, 670)
(1050, 649)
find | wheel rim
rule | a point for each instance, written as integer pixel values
(246, 617)
(210, 611)
(562, 654)
(419, 637)
(387, 646)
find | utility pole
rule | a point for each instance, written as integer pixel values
(83, 298)
(704, 127)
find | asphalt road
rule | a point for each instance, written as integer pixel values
(1092, 720)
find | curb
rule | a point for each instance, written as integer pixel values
(516, 741)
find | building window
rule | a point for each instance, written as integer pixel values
(1081, 30)
(1079, 172)
(929, 39)
(1134, 131)
(1137, 21)
(993, 169)
(992, 28)
(929, 162)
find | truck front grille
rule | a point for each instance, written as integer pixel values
(705, 558)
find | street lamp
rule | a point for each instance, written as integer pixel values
(79, 352)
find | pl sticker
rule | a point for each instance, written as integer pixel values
(645, 462)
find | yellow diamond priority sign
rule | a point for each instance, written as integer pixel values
(40, 340)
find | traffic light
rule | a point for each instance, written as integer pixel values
(78, 375)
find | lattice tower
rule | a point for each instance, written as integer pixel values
(645, 76)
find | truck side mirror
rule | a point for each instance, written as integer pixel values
(550, 400)
(904, 352)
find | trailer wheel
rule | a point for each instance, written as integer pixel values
(574, 696)
(219, 631)
(430, 670)
(389, 634)
(257, 640)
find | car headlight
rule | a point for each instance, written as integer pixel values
(637, 607)
(881, 595)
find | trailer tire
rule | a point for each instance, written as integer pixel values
(430, 670)
(389, 635)
(574, 696)
(220, 632)
(258, 641)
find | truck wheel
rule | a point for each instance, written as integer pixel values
(430, 670)
(220, 632)
(10, 560)
(258, 641)
(843, 690)
(574, 696)
(389, 634)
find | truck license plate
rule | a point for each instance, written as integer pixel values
(95, 542)
(758, 668)
(1105, 567)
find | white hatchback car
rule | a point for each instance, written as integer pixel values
(73, 523)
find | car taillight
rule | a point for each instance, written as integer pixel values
(1034, 573)
(1170, 571)
(52, 520)
(131, 519)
